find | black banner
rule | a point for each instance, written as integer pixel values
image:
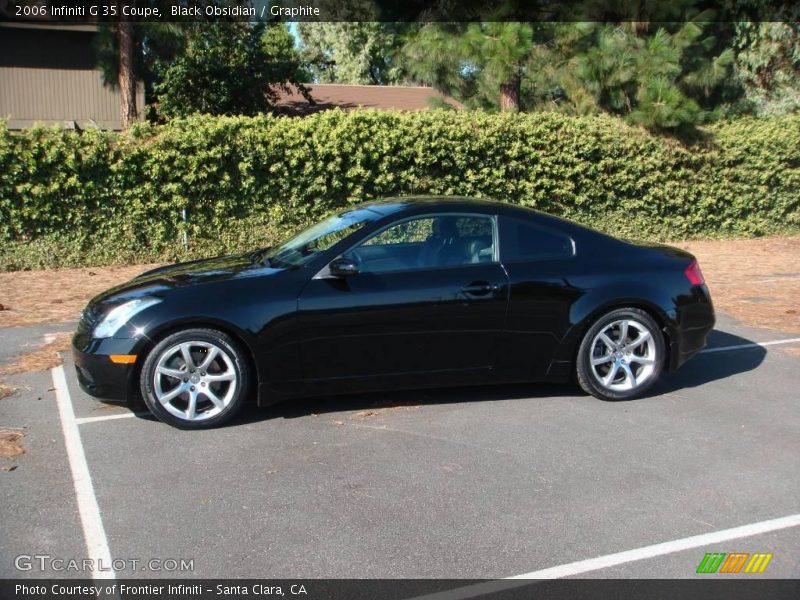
(94, 11)
(399, 589)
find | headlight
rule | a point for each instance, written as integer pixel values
(111, 323)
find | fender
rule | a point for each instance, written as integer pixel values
(148, 340)
(597, 301)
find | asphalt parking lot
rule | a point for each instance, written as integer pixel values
(473, 483)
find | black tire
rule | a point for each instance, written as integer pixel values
(627, 365)
(229, 395)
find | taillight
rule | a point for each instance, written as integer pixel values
(694, 274)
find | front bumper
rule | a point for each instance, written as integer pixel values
(97, 375)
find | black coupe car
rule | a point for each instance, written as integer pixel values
(403, 293)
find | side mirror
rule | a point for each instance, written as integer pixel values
(343, 267)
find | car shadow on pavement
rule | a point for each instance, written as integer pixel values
(368, 403)
(701, 369)
(707, 367)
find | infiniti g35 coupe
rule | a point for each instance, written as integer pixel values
(403, 293)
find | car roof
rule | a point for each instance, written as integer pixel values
(394, 204)
(421, 204)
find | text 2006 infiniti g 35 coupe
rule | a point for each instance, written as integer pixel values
(404, 293)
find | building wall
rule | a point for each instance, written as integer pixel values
(29, 96)
(48, 76)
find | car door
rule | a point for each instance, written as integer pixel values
(540, 264)
(430, 296)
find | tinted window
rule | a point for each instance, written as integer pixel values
(428, 242)
(408, 232)
(521, 241)
(318, 238)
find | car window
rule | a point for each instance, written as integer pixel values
(318, 238)
(523, 241)
(428, 242)
(408, 232)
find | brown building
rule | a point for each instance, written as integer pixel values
(48, 75)
(348, 97)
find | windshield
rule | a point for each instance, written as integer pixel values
(318, 238)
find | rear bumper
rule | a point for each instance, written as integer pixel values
(696, 321)
(691, 342)
(97, 375)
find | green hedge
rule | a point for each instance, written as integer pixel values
(95, 197)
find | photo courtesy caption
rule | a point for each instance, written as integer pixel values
(63, 590)
(257, 589)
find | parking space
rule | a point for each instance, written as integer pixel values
(479, 482)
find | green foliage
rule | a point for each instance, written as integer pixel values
(472, 61)
(768, 66)
(100, 198)
(663, 76)
(154, 42)
(354, 52)
(228, 68)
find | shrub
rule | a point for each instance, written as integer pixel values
(96, 197)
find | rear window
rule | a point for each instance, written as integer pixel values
(524, 241)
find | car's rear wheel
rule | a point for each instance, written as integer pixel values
(195, 379)
(621, 355)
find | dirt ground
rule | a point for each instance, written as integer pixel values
(41, 359)
(756, 281)
(58, 295)
(10, 444)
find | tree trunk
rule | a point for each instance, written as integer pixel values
(509, 94)
(127, 80)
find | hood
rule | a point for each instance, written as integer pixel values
(194, 271)
(162, 279)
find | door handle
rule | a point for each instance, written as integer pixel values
(480, 288)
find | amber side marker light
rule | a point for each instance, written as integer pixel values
(123, 359)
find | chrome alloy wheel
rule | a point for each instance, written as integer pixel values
(623, 355)
(195, 380)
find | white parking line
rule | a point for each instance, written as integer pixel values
(750, 345)
(611, 560)
(127, 415)
(93, 532)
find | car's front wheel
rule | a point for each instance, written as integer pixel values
(195, 379)
(621, 355)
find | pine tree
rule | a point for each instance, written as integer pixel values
(480, 63)
(664, 76)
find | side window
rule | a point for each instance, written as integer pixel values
(408, 232)
(522, 241)
(428, 242)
